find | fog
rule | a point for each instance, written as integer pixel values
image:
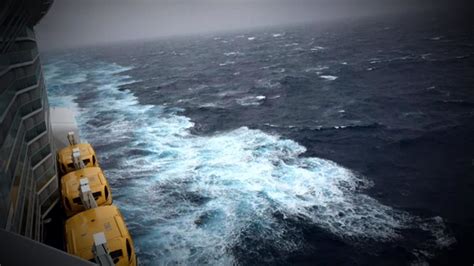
(73, 23)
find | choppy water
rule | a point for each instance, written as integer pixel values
(230, 149)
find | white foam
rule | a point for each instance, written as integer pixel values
(328, 77)
(198, 87)
(234, 53)
(317, 48)
(251, 38)
(208, 105)
(250, 100)
(375, 60)
(228, 62)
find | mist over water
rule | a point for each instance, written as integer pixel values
(76, 23)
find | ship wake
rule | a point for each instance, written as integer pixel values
(192, 199)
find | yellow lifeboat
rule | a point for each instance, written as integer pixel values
(83, 230)
(86, 156)
(71, 194)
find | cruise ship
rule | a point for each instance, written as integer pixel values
(31, 134)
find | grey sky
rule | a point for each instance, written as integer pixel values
(72, 23)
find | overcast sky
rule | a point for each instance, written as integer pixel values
(72, 23)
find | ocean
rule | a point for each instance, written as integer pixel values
(343, 143)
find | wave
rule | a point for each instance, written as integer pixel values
(251, 100)
(458, 102)
(327, 128)
(317, 48)
(328, 77)
(317, 69)
(189, 199)
(235, 53)
(268, 83)
(228, 62)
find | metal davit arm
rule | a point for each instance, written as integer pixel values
(76, 153)
(87, 198)
(102, 256)
(71, 138)
(76, 159)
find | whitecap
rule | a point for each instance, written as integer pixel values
(198, 87)
(208, 105)
(251, 38)
(234, 53)
(270, 66)
(317, 48)
(271, 125)
(328, 77)
(227, 63)
(251, 100)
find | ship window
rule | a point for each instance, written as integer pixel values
(106, 193)
(129, 250)
(86, 161)
(62, 168)
(93, 160)
(77, 200)
(70, 165)
(96, 195)
(116, 254)
(66, 203)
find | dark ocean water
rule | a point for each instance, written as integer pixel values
(341, 143)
